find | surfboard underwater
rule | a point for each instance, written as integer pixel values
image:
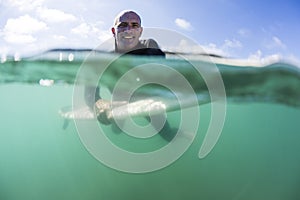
(76, 113)
(271, 82)
(135, 109)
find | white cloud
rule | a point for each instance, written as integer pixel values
(183, 24)
(19, 38)
(186, 47)
(255, 56)
(227, 49)
(275, 43)
(59, 37)
(294, 60)
(24, 24)
(20, 30)
(54, 15)
(212, 48)
(259, 57)
(38, 7)
(86, 30)
(232, 44)
(83, 29)
(104, 35)
(25, 5)
(278, 43)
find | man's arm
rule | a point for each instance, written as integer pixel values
(91, 95)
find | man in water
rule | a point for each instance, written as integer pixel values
(127, 31)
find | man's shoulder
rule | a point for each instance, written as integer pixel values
(149, 43)
(149, 47)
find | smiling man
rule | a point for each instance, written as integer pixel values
(127, 31)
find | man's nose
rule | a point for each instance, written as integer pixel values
(128, 28)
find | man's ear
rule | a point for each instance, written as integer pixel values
(113, 31)
(141, 31)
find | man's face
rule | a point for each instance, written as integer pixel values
(127, 31)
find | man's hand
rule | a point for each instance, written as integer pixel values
(103, 110)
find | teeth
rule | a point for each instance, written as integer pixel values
(128, 37)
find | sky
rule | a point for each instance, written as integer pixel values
(244, 29)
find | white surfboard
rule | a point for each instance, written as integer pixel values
(135, 109)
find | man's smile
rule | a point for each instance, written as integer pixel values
(128, 37)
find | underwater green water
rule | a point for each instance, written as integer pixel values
(42, 155)
(256, 157)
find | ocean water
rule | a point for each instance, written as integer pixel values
(43, 155)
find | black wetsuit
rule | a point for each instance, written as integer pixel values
(144, 48)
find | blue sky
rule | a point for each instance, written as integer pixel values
(244, 29)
